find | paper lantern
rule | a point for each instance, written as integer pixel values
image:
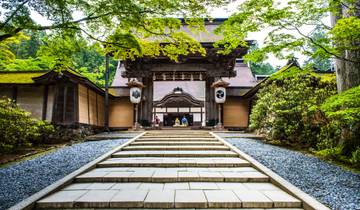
(220, 95)
(135, 95)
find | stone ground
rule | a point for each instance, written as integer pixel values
(330, 184)
(20, 180)
(172, 169)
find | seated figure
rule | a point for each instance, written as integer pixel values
(184, 121)
(177, 122)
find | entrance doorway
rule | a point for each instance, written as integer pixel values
(169, 118)
(178, 104)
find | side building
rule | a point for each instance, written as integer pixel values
(65, 98)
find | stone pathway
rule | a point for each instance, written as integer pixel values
(172, 169)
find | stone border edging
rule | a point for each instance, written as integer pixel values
(29, 203)
(309, 203)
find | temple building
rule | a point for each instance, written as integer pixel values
(172, 90)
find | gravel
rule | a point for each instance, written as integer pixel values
(330, 184)
(21, 180)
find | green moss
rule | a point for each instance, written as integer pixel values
(19, 77)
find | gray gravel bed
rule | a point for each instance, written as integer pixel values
(330, 184)
(21, 180)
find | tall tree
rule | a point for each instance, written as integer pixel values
(289, 21)
(346, 33)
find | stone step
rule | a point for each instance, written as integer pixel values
(177, 139)
(176, 153)
(168, 195)
(171, 147)
(141, 143)
(178, 136)
(173, 162)
(168, 175)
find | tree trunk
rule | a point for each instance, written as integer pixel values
(347, 73)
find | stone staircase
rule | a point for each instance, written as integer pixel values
(172, 169)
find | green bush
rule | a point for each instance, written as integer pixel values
(355, 159)
(18, 129)
(288, 106)
(301, 107)
(343, 110)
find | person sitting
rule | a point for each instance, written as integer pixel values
(177, 122)
(184, 121)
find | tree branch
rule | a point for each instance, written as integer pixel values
(315, 43)
(322, 47)
(13, 14)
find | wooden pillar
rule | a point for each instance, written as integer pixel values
(147, 104)
(15, 93)
(210, 106)
(106, 105)
(65, 103)
(45, 101)
(88, 105)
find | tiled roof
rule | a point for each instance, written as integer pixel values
(244, 77)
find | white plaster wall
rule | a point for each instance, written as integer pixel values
(195, 88)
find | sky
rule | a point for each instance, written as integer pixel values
(216, 13)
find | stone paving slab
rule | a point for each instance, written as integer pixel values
(182, 147)
(176, 153)
(190, 199)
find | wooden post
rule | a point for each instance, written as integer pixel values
(106, 123)
(210, 107)
(45, 100)
(64, 104)
(219, 114)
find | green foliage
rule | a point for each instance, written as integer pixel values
(122, 26)
(355, 159)
(333, 153)
(60, 51)
(288, 22)
(18, 129)
(262, 68)
(344, 107)
(344, 110)
(300, 107)
(288, 106)
(6, 55)
(315, 61)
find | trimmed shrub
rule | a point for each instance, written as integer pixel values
(343, 113)
(288, 106)
(18, 129)
(299, 107)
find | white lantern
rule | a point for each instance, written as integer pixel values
(220, 95)
(135, 95)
